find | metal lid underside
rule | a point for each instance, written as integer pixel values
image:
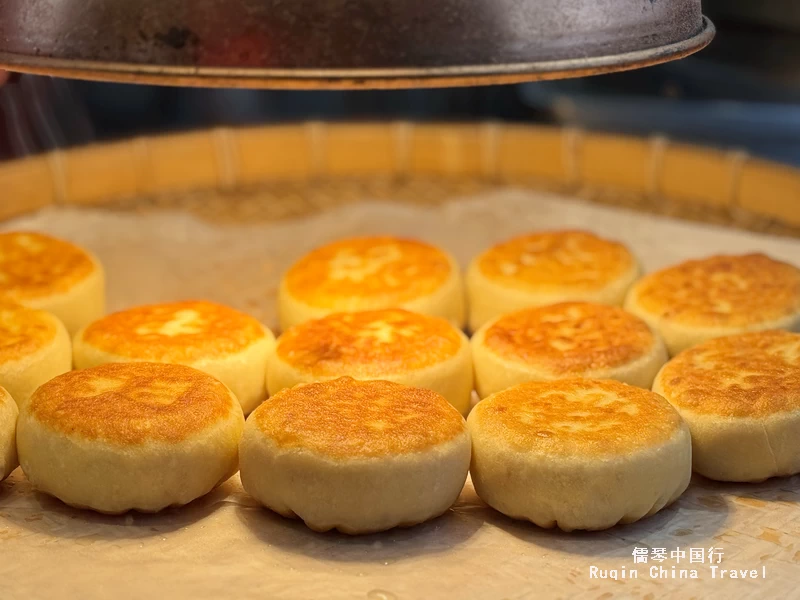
(344, 43)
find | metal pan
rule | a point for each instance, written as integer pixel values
(344, 43)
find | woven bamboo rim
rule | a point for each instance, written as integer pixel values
(274, 172)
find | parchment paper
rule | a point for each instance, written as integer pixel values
(224, 546)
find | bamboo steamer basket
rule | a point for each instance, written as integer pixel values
(299, 169)
(225, 545)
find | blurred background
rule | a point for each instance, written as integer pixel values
(742, 91)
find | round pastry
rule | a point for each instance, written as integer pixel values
(357, 456)
(8, 434)
(369, 273)
(545, 268)
(34, 348)
(130, 436)
(698, 300)
(43, 272)
(740, 396)
(559, 341)
(578, 453)
(391, 344)
(223, 342)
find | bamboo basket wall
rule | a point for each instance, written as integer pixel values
(271, 172)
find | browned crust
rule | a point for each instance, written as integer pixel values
(174, 332)
(570, 337)
(346, 419)
(129, 404)
(372, 343)
(577, 260)
(34, 265)
(723, 290)
(24, 331)
(750, 375)
(577, 418)
(382, 268)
